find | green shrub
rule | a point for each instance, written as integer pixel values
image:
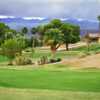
(55, 60)
(12, 46)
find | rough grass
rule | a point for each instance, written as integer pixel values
(53, 80)
(27, 94)
(59, 54)
(39, 52)
(94, 47)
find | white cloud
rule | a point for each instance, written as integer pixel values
(33, 18)
(4, 17)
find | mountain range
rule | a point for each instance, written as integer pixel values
(19, 22)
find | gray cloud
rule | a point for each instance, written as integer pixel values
(51, 8)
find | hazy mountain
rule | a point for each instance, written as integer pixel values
(83, 23)
(19, 22)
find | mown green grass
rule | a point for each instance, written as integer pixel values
(53, 80)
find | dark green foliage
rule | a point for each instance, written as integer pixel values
(56, 23)
(3, 29)
(25, 30)
(71, 33)
(55, 60)
(34, 30)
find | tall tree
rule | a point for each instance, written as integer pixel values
(34, 30)
(25, 30)
(87, 39)
(71, 34)
(99, 22)
(3, 31)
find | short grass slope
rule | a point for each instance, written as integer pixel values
(53, 80)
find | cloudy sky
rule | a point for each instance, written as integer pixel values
(88, 9)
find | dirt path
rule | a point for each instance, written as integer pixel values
(62, 47)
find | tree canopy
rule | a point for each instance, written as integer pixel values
(71, 33)
(54, 38)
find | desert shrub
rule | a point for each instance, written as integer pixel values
(52, 60)
(22, 60)
(58, 59)
(43, 60)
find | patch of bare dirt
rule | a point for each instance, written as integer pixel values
(92, 61)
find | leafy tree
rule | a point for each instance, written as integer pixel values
(56, 23)
(25, 30)
(71, 33)
(53, 38)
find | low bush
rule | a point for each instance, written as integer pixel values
(43, 60)
(22, 60)
(54, 60)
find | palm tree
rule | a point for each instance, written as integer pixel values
(34, 30)
(88, 41)
(25, 30)
(99, 23)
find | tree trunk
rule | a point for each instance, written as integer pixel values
(88, 46)
(67, 47)
(53, 50)
(99, 28)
